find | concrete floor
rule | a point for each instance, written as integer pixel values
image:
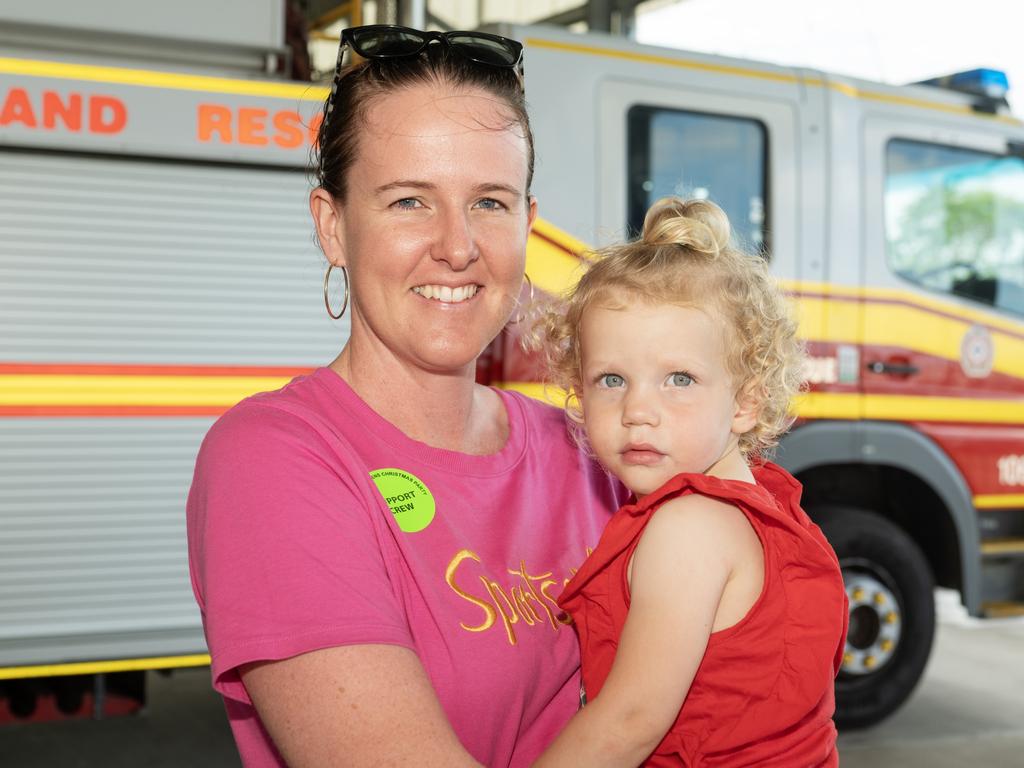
(183, 725)
(968, 711)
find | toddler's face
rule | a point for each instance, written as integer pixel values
(657, 395)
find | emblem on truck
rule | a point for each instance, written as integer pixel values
(976, 352)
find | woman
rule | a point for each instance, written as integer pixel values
(377, 547)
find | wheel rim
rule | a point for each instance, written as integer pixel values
(876, 622)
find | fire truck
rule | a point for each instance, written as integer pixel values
(894, 218)
(157, 264)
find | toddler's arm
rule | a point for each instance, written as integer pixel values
(679, 572)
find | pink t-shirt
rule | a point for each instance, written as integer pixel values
(293, 547)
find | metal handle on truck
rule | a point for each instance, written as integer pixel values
(893, 369)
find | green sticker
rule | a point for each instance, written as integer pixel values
(410, 500)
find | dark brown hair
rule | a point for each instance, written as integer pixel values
(358, 85)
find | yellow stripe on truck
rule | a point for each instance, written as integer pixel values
(554, 259)
(828, 405)
(100, 667)
(546, 394)
(131, 390)
(921, 300)
(662, 60)
(154, 79)
(823, 319)
(999, 501)
(943, 409)
(561, 238)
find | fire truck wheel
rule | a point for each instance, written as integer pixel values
(892, 613)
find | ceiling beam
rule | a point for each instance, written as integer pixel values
(351, 10)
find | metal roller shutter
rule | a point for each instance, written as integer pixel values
(124, 261)
(132, 262)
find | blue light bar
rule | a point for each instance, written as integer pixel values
(989, 83)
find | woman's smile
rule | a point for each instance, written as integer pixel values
(447, 294)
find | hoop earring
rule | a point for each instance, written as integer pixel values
(572, 410)
(327, 300)
(522, 315)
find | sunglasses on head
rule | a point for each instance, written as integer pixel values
(387, 41)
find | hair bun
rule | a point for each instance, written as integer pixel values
(699, 225)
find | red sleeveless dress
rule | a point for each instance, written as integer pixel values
(763, 694)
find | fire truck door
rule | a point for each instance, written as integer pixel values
(738, 149)
(944, 292)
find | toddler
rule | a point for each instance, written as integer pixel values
(712, 615)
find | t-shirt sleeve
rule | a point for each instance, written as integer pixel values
(285, 552)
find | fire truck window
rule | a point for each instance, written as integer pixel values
(954, 221)
(696, 155)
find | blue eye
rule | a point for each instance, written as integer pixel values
(680, 379)
(611, 380)
(490, 204)
(407, 203)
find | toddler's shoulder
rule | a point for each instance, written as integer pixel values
(698, 521)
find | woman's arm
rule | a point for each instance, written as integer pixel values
(287, 564)
(679, 571)
(357, 705)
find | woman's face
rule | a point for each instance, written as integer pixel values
(434, 226)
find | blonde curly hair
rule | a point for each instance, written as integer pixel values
(683, 257)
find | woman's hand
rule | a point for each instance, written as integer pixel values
(353, 705)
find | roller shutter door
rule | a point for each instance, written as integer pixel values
(128, 262)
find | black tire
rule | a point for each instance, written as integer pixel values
(874, 551)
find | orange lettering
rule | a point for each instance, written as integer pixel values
(214, 118)
(530, 580)
(251, 126)
(528, 601)
(522, 599)
(508, 617)
(449, 576)
(18, 109)
(70, 113)
(289, 129)
(107, 114)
